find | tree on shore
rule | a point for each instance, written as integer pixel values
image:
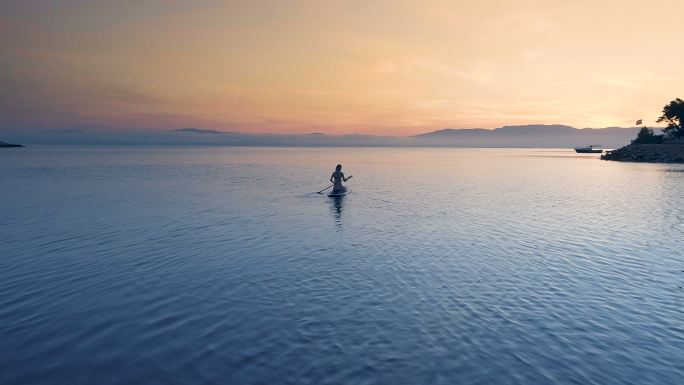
(673, 114)
(647, 136)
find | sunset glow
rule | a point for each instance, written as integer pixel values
(378, 67)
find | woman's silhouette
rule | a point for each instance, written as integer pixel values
(337, 178)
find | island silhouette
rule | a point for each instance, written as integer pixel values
(650, 147)
(4, 144)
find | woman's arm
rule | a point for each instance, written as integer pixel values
(331, 177)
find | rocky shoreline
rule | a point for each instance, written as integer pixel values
(649, 153)
(3, 144)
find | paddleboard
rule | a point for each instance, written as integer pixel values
(337, 194)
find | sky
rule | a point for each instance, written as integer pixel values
(336, 67)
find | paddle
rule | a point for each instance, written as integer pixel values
(321, 192)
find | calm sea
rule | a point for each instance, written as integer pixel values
(167, 266)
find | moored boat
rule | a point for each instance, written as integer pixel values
(590, 149)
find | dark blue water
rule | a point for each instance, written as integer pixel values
(444, 266)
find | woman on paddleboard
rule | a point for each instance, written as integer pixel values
(336, 179)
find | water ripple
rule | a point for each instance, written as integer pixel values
(177, 266)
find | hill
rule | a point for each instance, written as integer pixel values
(507, 136)
(531, 135)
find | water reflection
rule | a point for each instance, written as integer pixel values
(337, 203)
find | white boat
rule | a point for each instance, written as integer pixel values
(592, 148)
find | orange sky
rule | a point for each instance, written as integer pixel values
(377, 67)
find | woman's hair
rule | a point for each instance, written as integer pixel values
(338, 168)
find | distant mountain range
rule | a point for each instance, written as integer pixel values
(200, 131)
(531, 135)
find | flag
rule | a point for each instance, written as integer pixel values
(638, 122)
